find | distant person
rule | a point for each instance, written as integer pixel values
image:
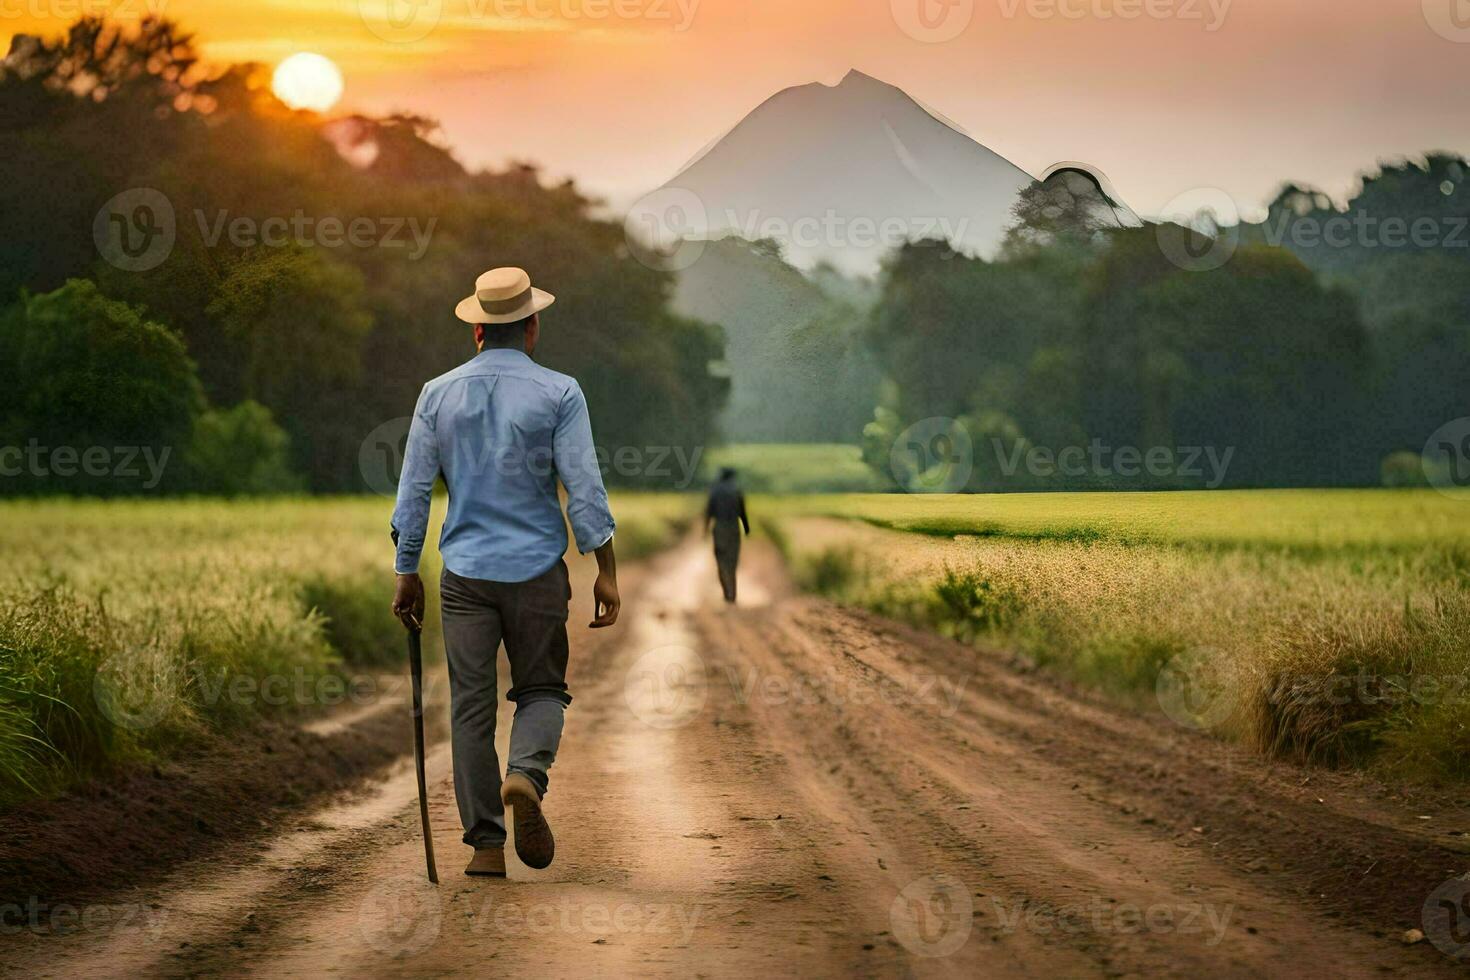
(726, 511)
(502, 430)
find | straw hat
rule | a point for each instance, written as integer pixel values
(503, 296)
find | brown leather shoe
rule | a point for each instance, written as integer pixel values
(534, 843)
(488, 862)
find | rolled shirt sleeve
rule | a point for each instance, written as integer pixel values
(415, 489)
(577, 466)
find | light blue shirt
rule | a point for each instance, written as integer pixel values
(501, 429)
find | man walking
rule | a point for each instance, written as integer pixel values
(501, 430)
(726, 511)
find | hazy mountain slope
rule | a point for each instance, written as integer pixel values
(843, 172)
(798, 370)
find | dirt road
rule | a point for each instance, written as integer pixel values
(788, 788)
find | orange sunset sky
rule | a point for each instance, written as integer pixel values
(1161, 95)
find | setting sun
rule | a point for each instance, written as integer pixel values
(308, 81)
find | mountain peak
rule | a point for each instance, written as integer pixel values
(855, 77)
(846, 172)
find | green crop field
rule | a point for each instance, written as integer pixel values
(1326, 625)
(1326, 520)
(1335, 625)
(122, 622)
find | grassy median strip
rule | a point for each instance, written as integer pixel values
(1324, 626)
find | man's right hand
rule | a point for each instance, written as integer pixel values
(408, 601)
(605, 599)
(608, 602)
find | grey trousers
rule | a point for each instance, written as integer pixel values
(531, 618)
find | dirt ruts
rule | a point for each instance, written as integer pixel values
(792, 788)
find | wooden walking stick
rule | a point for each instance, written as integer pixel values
(416, 669)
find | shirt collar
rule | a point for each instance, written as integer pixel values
(502, 355)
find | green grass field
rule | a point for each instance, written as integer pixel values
(127, 627)
(1324, 625)
(1303, 520)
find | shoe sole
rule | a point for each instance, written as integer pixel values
(484, 874)
(534, 844)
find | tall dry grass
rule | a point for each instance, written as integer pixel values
(1357, 654)
(128, 628)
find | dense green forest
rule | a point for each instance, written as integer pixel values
(272, 289)
(1321, 347)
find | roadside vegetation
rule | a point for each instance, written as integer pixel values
(128, 627)
(1325, 626)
